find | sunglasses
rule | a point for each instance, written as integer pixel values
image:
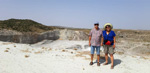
(96, 25)
(107, 27)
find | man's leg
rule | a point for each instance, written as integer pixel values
(98, 55)
(98, 58)
(92, 57)
(92, 54)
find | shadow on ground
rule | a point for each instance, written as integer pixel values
(116, 61)
(102, 60)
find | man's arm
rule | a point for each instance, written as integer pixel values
(89, 40)
(90, 36)
(102, 40)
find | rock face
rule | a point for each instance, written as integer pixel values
(133, 42)
(31, 38)
(73, 35)
(28, 38)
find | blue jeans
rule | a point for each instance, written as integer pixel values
(97, 50)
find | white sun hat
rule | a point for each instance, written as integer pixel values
(108, 24)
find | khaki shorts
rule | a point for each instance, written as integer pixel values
(108, 49)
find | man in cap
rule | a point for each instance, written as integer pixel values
(95, 36)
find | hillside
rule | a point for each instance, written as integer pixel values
(24, 25)
(127, 41)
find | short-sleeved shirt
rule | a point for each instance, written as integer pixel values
(110, 36)
(96, 35)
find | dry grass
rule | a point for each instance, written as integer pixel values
(38, 52)
(120, 53)
(6, 43)
(49, 49)
(63, 50)
(44, 48)
(26, 51)
(6, 51)
(71, 52)
(75, 49)
(146, 44)
(147, 53)
(146, 58)
(26, 56)
(134, 56)
(82, 54)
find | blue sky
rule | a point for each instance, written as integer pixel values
(123, 14)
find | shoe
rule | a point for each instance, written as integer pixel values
(112, 67)
(91, 63)
(98, 64)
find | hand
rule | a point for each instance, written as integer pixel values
(101, 44)
(89, 44)
(114, 46)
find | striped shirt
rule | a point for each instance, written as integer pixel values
(96, 35)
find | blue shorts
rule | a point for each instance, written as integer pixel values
(97, 50)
